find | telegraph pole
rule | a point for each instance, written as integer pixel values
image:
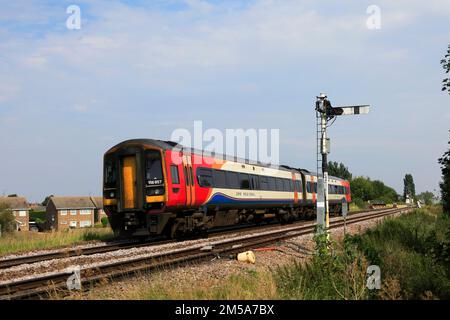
(324, 114)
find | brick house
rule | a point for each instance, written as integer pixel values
(70, 212)
(20, 210)
(99, 212)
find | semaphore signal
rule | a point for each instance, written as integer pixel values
(325, 112)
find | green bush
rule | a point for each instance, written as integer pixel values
(359, 203)
(7, 220)
(414, 250)
(338, 273)
(104, 221)
(38, 215)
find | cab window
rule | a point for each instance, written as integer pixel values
(153, 168)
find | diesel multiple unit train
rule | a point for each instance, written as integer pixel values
(154, 187)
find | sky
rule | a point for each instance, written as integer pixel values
(141, 69)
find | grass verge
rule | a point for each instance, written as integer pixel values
(27, 241)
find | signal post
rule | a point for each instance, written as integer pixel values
(324, 114)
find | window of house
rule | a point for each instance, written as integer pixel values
(73, 212)
(85, 223)
(86, 211)
(73, 224)
(63, 212)
(22, 213)
(174, 174)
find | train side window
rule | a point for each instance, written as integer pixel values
(264, 184)
(174, 174)
(110, 174)
(254, 182)
(291, 185)
(244, 181)
(272, 183)
(298, 185)
(220, 180)
(286, 185)
(232, 180)
(279, 184)
(315, 187)
(205, 178)
(308, 187)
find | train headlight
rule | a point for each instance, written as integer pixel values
(155, 191)
(112, 194)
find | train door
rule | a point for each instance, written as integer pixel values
(129, 182)
(313, 189)
(189, 180)
(296, 191)
(176, 185)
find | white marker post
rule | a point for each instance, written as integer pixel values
(326, 112)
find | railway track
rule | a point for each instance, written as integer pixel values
(41, 286)
(74, 252)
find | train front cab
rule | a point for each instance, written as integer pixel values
(135, 192)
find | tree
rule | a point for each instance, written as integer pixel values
(408, 187)
(446, 65)
(339, 170)
(7, 220)
(445, 184)
(426, 197)
(364, 189)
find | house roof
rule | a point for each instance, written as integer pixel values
(73, 202)
(15, 203)
(98, 202)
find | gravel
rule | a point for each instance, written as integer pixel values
(215, 272)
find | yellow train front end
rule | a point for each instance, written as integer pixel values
(134, 191)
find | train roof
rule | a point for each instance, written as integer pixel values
(170, 145)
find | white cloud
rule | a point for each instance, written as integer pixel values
(80, 107)
(35, 61)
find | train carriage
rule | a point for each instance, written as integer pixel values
(154, 187)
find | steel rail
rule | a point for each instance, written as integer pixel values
(74, 252)
(45, 285)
